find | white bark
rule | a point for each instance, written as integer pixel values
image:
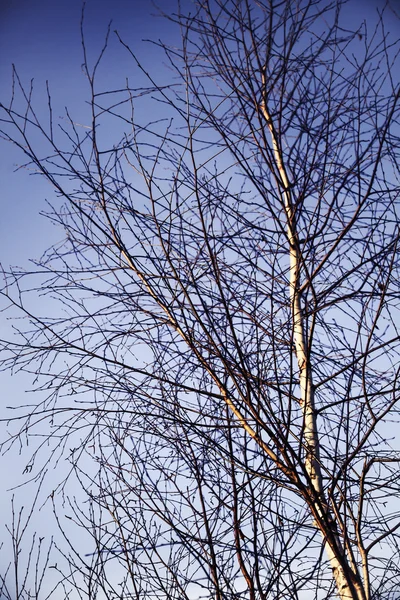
(348, 582)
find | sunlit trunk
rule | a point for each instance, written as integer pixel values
(348, 582)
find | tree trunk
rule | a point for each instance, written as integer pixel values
(348, 581)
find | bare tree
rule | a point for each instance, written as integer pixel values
(223, 346)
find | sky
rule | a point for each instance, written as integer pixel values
(42, 39)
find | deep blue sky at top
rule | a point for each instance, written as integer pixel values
(42, 39)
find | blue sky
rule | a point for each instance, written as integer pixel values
(42, 39)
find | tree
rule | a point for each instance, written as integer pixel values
(223, 340)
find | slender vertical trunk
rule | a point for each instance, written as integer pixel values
(348, 581)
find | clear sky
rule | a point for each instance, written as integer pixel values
(42, 39)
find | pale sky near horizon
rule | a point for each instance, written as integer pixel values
(42, 39)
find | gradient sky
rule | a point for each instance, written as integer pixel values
(42, 39)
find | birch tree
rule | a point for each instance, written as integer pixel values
(221, 364)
